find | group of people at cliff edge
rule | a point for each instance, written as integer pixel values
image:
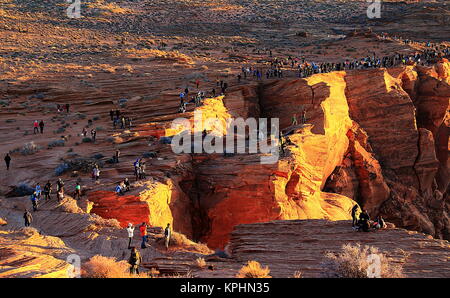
(304, 68)
(135, 259)
(196, 99)
(361, 220)
(36, 196)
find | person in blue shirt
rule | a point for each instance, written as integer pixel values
(34, 201)
(119, 189)
(38, 190)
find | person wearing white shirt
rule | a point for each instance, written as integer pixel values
(130, 231)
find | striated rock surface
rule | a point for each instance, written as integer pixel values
(386, 112)
(26, 253)
(403, 156)
(300, 245)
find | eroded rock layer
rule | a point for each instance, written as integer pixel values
(374, 136)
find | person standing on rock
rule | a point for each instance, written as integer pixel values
(135, 260)
(143, 230)
(142, 170)
(96, 173)
(355, 215)
(182, 95)
(93, 134)
(47, 190)
(38, 190)
(294, 119)
(116, 156)
(35, 127)
(60, 194)
(77, 195)
(167, 234)
(67, 107)
(34, 201)
(59, 184)
(28, 218)
(111, 115)
(41, 126)
(7, 161)
(130, 231)
(304, 116)
(136, 168)
(127, 184)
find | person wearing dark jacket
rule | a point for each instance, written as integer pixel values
(34, 201)
(28, 218)
(41, 126)
(7, 161)
(364, 221)
(135, 260)
(47, 190)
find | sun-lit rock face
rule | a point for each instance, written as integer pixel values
(401, 110)
(26, 253)
(126, 209)
(433, 112)
(156, 204)
(371, 186)
(385, 111)
(238, 189)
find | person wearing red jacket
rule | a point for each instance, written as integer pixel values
(143, 230)
(36, 127)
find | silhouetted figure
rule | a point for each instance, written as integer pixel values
(7, 161)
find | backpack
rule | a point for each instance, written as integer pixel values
(134, 258)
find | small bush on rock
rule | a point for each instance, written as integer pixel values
(253, 269)
(353, 261)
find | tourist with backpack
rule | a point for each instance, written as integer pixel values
(135, 260)
(28, 218)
